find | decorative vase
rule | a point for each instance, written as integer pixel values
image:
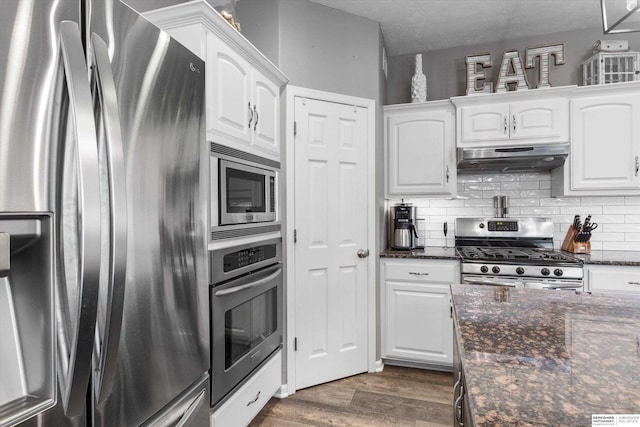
(418, 83)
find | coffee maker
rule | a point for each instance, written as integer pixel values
(404, 235)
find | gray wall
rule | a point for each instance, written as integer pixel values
(446, 70)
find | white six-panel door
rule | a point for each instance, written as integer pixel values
(331, 226)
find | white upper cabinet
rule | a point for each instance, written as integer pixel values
(513, 119)
(243, 87)
(420, 149)
(605, 143)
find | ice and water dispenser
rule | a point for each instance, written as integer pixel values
(27, 344)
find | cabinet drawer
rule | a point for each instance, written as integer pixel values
(423, 271)
(613, 279)
(245, 404)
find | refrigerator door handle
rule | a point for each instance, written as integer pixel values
(75, 344)
(111, 148)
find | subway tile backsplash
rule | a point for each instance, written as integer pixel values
(530, 195)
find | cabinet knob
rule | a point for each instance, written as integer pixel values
(505, 125)
(447, 174)
(637, 165)
(514, 123)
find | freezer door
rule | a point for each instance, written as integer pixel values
(164, 339)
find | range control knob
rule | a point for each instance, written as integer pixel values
(557, 272)
(520, 270)
(545, 271)
(496, 269)
(481, 225)
(484, 268)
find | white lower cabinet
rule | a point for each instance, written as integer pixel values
(245, 403)
(416, 310)
(612, 278)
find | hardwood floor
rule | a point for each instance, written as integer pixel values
(394, 397)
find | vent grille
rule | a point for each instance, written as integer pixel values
(237, 154)
(241, 232)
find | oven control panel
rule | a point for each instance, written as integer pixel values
(245, 257)
(502, 225)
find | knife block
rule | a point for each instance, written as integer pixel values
(570, 245)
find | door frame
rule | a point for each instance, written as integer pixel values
(290, 293)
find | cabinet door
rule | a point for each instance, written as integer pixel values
(544, 121)
(612, 278)
(605, 142)
(421, 153)
(418, 323)
(481, 123)
(266, 117)
(229, 107)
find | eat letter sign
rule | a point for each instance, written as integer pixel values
(512, 75)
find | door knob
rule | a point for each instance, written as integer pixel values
(363, 253)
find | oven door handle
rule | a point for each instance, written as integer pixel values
(253, 284)
(494, 282)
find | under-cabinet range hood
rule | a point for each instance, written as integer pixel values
(512, 159)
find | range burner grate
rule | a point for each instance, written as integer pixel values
(514, 254)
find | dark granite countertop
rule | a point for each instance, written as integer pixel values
(629, 258)
(547, 358)
(429, 252)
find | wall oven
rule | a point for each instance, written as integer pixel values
(246, 312)
(244, 193)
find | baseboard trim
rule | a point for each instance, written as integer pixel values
(282, 392)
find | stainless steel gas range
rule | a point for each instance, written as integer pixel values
(516, 252)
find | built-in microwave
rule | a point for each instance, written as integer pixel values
(244, 188)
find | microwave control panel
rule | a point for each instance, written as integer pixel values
(246, 257)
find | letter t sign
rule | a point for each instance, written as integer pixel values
(543, 53)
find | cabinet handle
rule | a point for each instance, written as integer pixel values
(634, 283)
(458, 406)
(447, 174)
(455, 386)
(505, 125)
(254, 400)
(514, 123)
(255, 125)
(637, 165)
(418, 274)
(250, 115)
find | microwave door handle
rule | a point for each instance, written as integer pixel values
(250, 285)
(105, 98)
(74, 363)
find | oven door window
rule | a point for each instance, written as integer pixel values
(248, 324)
(245, 191)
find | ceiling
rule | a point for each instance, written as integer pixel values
(411, 26)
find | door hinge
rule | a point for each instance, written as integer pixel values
(295, 236)
(295, 128)
(295, 344)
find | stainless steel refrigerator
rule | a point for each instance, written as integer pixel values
(103, 268)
